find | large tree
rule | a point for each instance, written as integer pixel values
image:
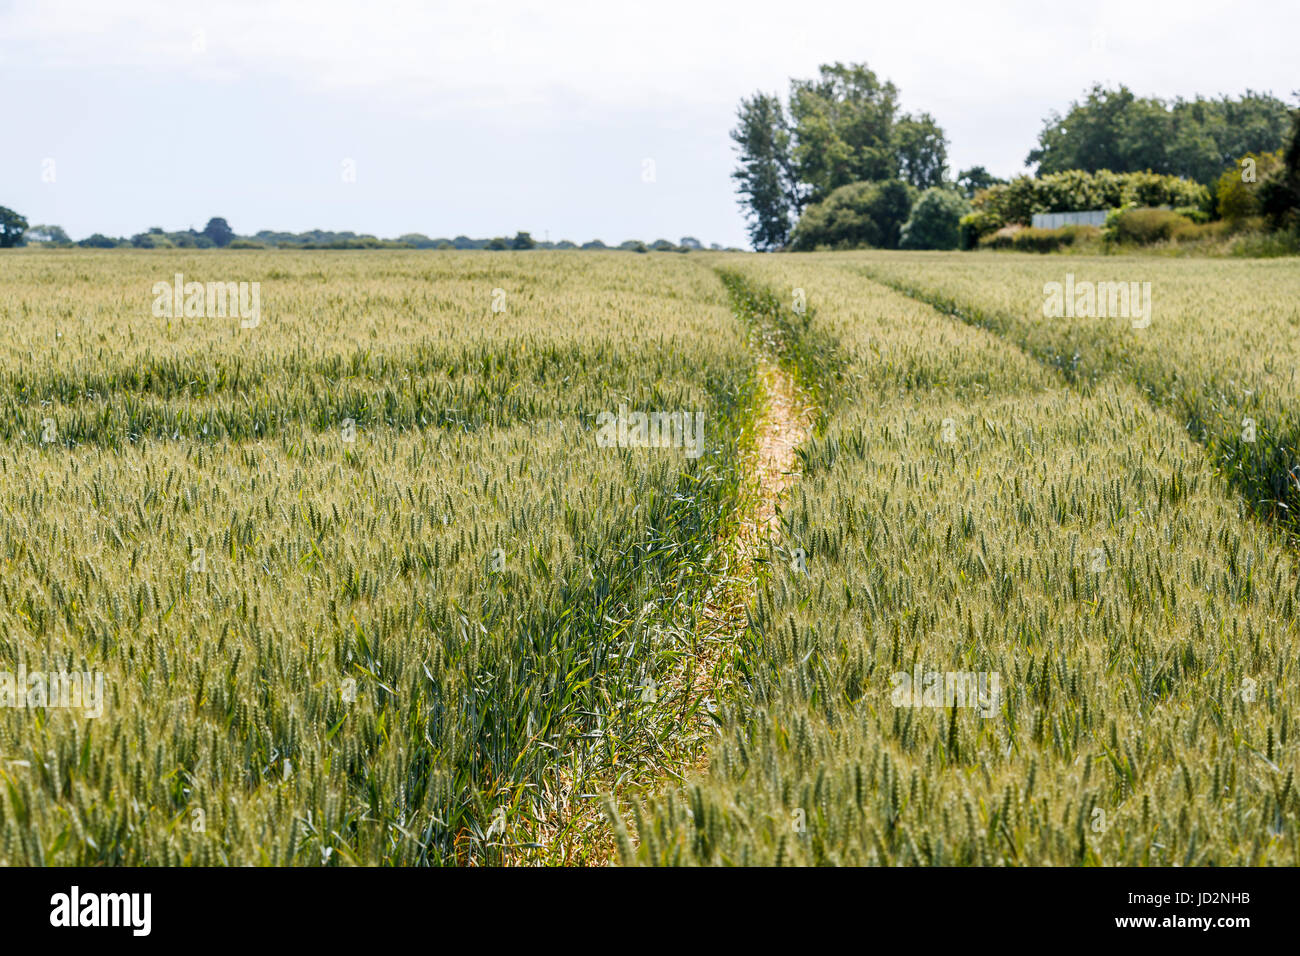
(844, 128)
(922, 150)
(769, 189)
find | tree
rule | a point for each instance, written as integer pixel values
(856, 216)
(844, 128)
(970, 181)
(54, 235)
(1195, 139)
(769, 191)
(12, 227)
(690, 242)
(523, 240)
(218, 231)
(1279, 194)
(840, 128)
(934, 221)
(922, 150)
(99, 241)
(419, 240)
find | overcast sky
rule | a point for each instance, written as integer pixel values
(484, 118)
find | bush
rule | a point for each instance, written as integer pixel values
(935, 222)
(975, 225)
(856, 216)
(1146, 226)
(1238, 199)
(1028, 239)
(246, 244)
(1193, 213)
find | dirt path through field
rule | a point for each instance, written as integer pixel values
(783, 426)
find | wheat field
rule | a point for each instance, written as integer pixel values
(366, 586)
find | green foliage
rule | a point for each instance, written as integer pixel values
(934, 220)
(1280, 191)
(1029, 239)
(48, 235)
(860, 215)
(922, 150)
(844, 128)
(219, 231)
(839, 129)
(100, 241)
(12, 227)
(1195, 139)
(977, 224)
(1237, 196)
(970, 181)
(1076, 190)
(770, 192)
(1143, 226)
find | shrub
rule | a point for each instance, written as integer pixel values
(1146, 226)
(856, 216)
(935, 220)
(1028, 239)
(1002, 238)
(1193, 213)
(975, 225)
(1238, 199)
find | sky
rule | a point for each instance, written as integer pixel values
(569, 120)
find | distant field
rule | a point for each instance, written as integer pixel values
(365, 585)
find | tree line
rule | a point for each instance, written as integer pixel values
(838, 164)
(15, 231)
